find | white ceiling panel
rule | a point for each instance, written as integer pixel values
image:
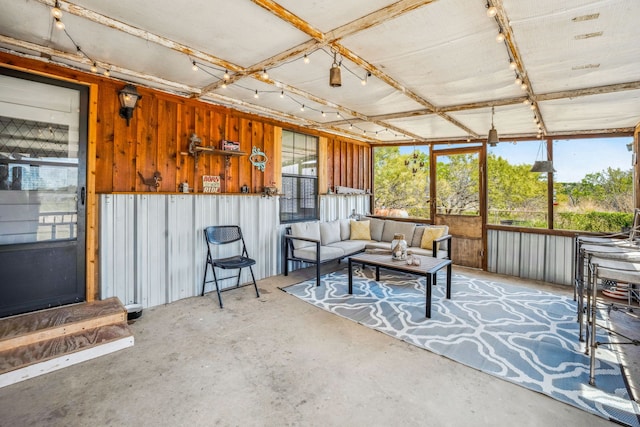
(433, 68)
(591, 112)
(327, 15)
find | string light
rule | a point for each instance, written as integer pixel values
(94, 68)
(56, 12)
(306, 59)
(282, 94)
(223, 85)
(59, 24)
(106, 73)
(500, 37)
(523, 86)
(265, 75)
(513, 65)
(226, 75)
(195, 66)
(302, 108)
(255, 95)
(323, 114)
(518, 80)
(491, 11)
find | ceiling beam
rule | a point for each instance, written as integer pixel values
(514, 53)
(51, 53)
(137, 32)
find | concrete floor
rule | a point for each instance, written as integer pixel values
(272, 361)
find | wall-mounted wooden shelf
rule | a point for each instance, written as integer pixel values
(194, 149)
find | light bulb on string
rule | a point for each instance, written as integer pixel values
(491, 11)
(195, 66)
(59, 24)
(94, 68)
(500, 37)
(255, 95)
(523, 86)
(226, 75)
(106, 73)
(281, 94)
(265, 75)
(302, 108)
(513, 65)
(323, 114)
(518, 80)
(306, 59)
(56, 12)
(223, 85)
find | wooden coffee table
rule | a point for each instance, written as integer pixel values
(428, 267)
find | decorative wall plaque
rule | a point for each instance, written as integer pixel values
(258, 158)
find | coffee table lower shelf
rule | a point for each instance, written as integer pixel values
(428, 267)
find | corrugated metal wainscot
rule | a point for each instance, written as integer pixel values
(339, 206)
(531, 256)
(152, 247)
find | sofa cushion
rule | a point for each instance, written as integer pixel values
(350, 246)
(428, 252)
(329, 232)
(379, 245)
(345, 229)
(326, 253)
(391, 228)
(429, 235)
(377, 225)
(360, 230)
(417, 236)
(310, 230)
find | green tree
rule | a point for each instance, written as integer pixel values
(396, 186)
(457, 186)
(610, 190)
(514, 193)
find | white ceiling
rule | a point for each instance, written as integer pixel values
(433, 67)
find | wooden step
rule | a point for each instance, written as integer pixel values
(35, 343)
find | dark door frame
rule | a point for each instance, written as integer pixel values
(46, 249)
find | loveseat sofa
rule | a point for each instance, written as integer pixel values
(321, 242)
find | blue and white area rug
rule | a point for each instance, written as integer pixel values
(522, 335)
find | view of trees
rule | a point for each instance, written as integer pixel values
(601, 201)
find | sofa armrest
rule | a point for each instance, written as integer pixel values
(288, 243)
(289, 246)
(442, 239)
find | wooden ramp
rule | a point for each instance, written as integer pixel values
(36, 343)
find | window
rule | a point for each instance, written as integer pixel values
(401, 181)
(592, 184)
(299, 177)
(515, 195)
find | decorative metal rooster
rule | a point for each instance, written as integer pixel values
(154, 181)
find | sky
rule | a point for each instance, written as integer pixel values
(573, 159)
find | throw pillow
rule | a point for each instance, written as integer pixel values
(430, 234)
(360, 230)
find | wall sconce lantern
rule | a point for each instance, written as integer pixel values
(129, 98)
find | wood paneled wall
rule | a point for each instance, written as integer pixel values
(158, 138)
(348, 164)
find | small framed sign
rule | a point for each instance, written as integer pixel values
(211, 183)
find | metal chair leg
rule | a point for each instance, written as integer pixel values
(255, 285)
(215, 279)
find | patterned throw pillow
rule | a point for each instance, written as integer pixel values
(360, 230)
(430, 234)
